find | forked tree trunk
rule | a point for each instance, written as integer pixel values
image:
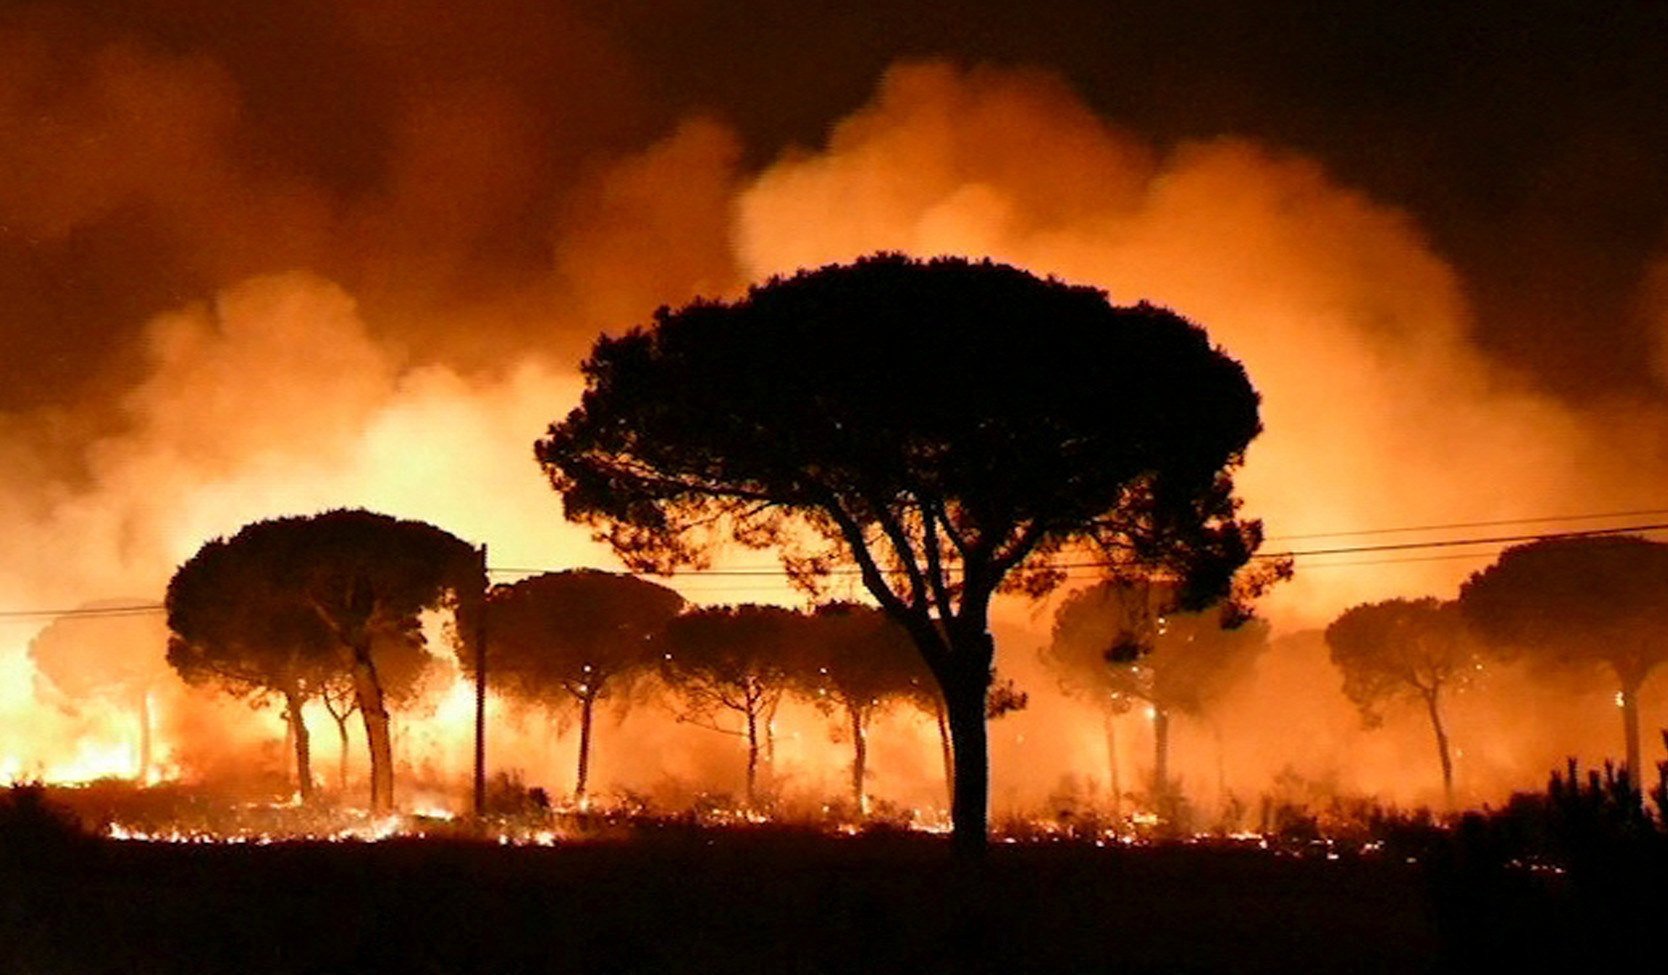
(587, 704)
(368, 691)
(342, 765)
(859, 758)
(752, 757)
(1441, 748)
(303, 745)
(769, 715)
(947, 753)
(144, 736)
(1161, 760)
(1111, 722)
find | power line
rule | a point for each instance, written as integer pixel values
(777, 572)
(1447, 543)
(1639, 513)
(85, 611)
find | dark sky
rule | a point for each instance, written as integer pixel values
(426, 155)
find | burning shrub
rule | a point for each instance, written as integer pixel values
(508, 795)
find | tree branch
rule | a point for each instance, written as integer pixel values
(905, 552)
(935, 565)
(686, 719)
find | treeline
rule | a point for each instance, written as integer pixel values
(1558, 606)
(328, 609)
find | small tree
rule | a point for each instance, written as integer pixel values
(858, 662)
(1122, 641)
(1401, 649)
(731, 659)
(577, 637)
(232, 630)
(1599, 601)
(335, 583)
(105, 654)
(946, 427)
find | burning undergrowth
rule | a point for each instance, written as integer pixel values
(518, 816)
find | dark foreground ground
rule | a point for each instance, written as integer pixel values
(708, 903)
(1576, 880)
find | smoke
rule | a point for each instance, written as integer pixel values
(1378, 410)
(380, 303)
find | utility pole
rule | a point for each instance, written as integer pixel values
(480, 690)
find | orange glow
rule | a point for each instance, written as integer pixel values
(281, 393)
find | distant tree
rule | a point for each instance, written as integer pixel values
(576, 637)
(330, 585)
(1122, 641)
(732, 659)
(1080, 663)
(1599, 601)
(1401, 649)
(946, 427)
(858, 662)
(105, 653)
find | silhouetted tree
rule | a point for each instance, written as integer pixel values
(333, 585)
(858, 661)
(947, 427)
(735, 659)
(1126, 641)
(1404, 648)
(1580, 602)
(579, 637)
(232, 629)
(105, 654)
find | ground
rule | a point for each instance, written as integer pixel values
(709, 901)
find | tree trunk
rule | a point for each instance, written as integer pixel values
(752, 757)
(342, 764)
(368, 691)
(1441, 749)
(947, 754)
(964, 698)
(859, 759)
(303, 747)
(144, 736)
(1114, 779)
(1161, 762)
(587, 704)
(1221, 766)
(770, 735)
(1630, 728)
